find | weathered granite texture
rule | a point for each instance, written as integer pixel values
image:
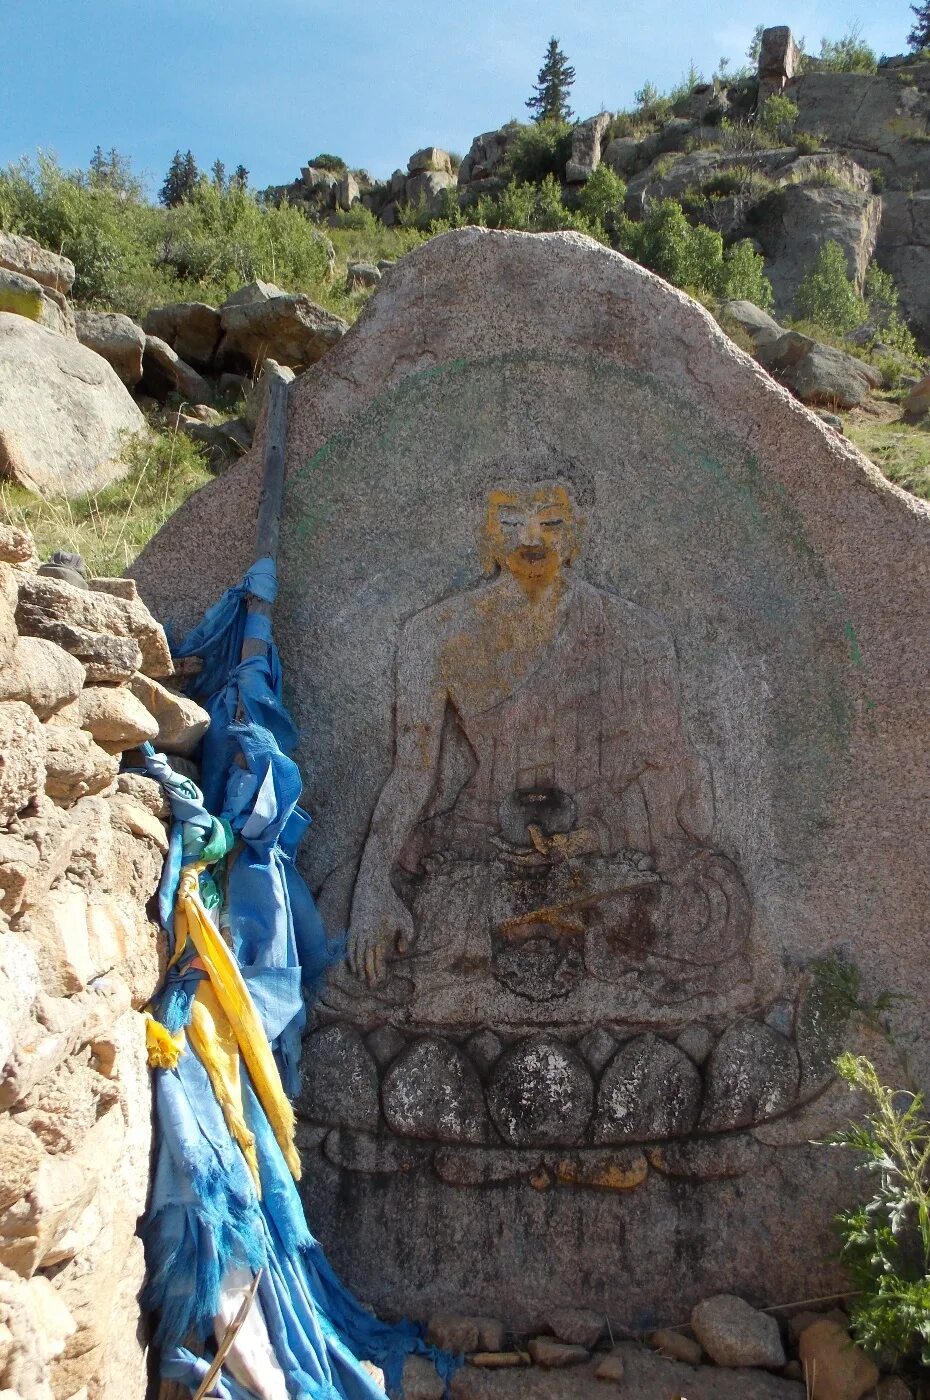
(613, 717)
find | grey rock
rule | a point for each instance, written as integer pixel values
(779, 59)
(649, 1090)
(107, 660)
(291, 329)
(818, 374)
(758, 324)
(75, 766)
(429, 158)
(64, 413)
(361, 275)
(823, 1019)
(587, 138)
(182, 723)
(872, 117)
(484, 1167)
(484, 1048)
(45, 603)
(780, 1015)
(917, 403)
(718, 1158)
(427, 186)
(540, 1093)
(347, 191)
(752, 1075)
(597, 1046)
(904, 251)
(27, 257)
(793, 224)
(191, 328)
(637, 1374)
(621, 155)
(164, 373)
(487, 153)
(577, 1326)
(22, 759)
(697, 1043)
(735, 1334)
(117, 338)
(432, 1091)
(340, 1081)
(421, 1380)
(385, 1044)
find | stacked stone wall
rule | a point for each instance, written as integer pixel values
(81, 851)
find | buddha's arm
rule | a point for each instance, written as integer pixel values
(378, 918)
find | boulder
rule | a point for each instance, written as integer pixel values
(24, 296)
(811, 169)
(432, 1091)
(650, 1089)
(818, 374)
(118, 339)
(793, 224)
(289, 328)
(45, 604)
(8, 636)
(347, 191)
(43, 675)
(917, 403)
(114, 716)
(735, 1334)
(576, 1326)
(22, 759)
(779, 60)
(587, 138)
(191, 328)
(64, 412)
(429, 158)
(540, 1091)
(16, 546)
(677, 1345)
(361, 275)
(834, 1367)
(553, 1355)
(621, 155)
(452, 1332)
(486, 154)
(182, 723)
(26, 256)
(164, 373)
(427, 186)
(758, 324)
(106, 659)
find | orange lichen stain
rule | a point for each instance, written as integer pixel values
(608, 1172)
(540, 1180)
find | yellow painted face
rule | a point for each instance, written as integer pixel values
(531, 532)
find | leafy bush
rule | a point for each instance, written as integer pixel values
(324, 161)
(828, 295)
(651, 106)
(886, 1242)
(541, 149)
(602, 195)
(807, 143)
(131, 255)
(742, 276)
(777, 119)
(851, 54)
(884, 311)
(532, 208)
(665, 242)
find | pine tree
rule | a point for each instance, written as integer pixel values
(218, 172)
(550, 98)
(919, 37)
(240, 178)
(181, 181)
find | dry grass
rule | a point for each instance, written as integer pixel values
(111, 526)
(900, 450)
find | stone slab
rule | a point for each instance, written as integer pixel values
(749, 583)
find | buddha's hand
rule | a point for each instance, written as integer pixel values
(380, 926)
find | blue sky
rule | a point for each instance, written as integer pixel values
(272, 84)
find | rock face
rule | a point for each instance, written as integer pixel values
(24, 296)
(191, 328)
(26, 256)
(63, 413)
(79, 860)
(589, 857)
(261, 321)
(587, 139)
(793, 225)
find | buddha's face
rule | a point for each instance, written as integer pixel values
(531, 533)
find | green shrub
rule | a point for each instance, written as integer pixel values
(541, 149)
(851, 54)
(602, 195)
(884, 311)
(667, 244)
(651, 107)
(886, 1242)
(807, 143)
(324, 161)
(828, 295)
(742, 276)
(777, 119)
(533, 209)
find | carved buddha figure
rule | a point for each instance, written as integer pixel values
(546, 815)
